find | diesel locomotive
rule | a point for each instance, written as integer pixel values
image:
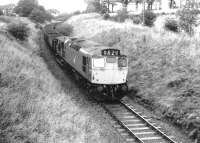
(97, 67)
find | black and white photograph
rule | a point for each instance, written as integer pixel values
(99, 71)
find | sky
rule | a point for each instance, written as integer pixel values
(61, 5)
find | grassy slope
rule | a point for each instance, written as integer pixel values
(34, 105)
(164, 67)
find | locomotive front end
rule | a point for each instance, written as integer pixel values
(110, 71)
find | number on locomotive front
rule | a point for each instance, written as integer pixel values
(110, 52)
(111, 57)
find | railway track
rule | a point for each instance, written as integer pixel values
(134, 127)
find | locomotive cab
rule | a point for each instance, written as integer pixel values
(110, 68)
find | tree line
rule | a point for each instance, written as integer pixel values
(32, 9)
(124, 2)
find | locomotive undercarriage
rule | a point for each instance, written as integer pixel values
(102, 91)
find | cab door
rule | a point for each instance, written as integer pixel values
(54, 44)
(86, 66)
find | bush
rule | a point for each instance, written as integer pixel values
(19, 30)
(149, 18)
(188, 19)
(136, 19)
(66, 30)
(106, 16)
(121, 16)
(172, 25)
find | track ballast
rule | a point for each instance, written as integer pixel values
(139, 128)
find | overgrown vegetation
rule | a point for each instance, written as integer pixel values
(137, 19)
(172, 25)
(188, 19)
(19, 30)
(31, 8)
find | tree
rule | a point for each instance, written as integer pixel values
(137, 2)
(126, 2)
(25, 7)
(93, 6)
(149, 18)
(40, 15)
(150, 3)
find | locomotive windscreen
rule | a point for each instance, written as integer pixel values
(110, 52)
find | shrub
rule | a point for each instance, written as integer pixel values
(121, 16)
(19, 30)
(66, 30)
(136, 19)
(106, 16)
(149, 18)
(188, 19)
(172, 25)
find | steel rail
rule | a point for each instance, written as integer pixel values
(122, 124)
(147, 122)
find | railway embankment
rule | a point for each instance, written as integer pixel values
(163, 66)
(38, 103)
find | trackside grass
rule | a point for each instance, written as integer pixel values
(35, 106)
(163, 66)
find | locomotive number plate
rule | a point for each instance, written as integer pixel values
(110, 52)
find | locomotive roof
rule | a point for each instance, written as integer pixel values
(91, 47)
(86, 46)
